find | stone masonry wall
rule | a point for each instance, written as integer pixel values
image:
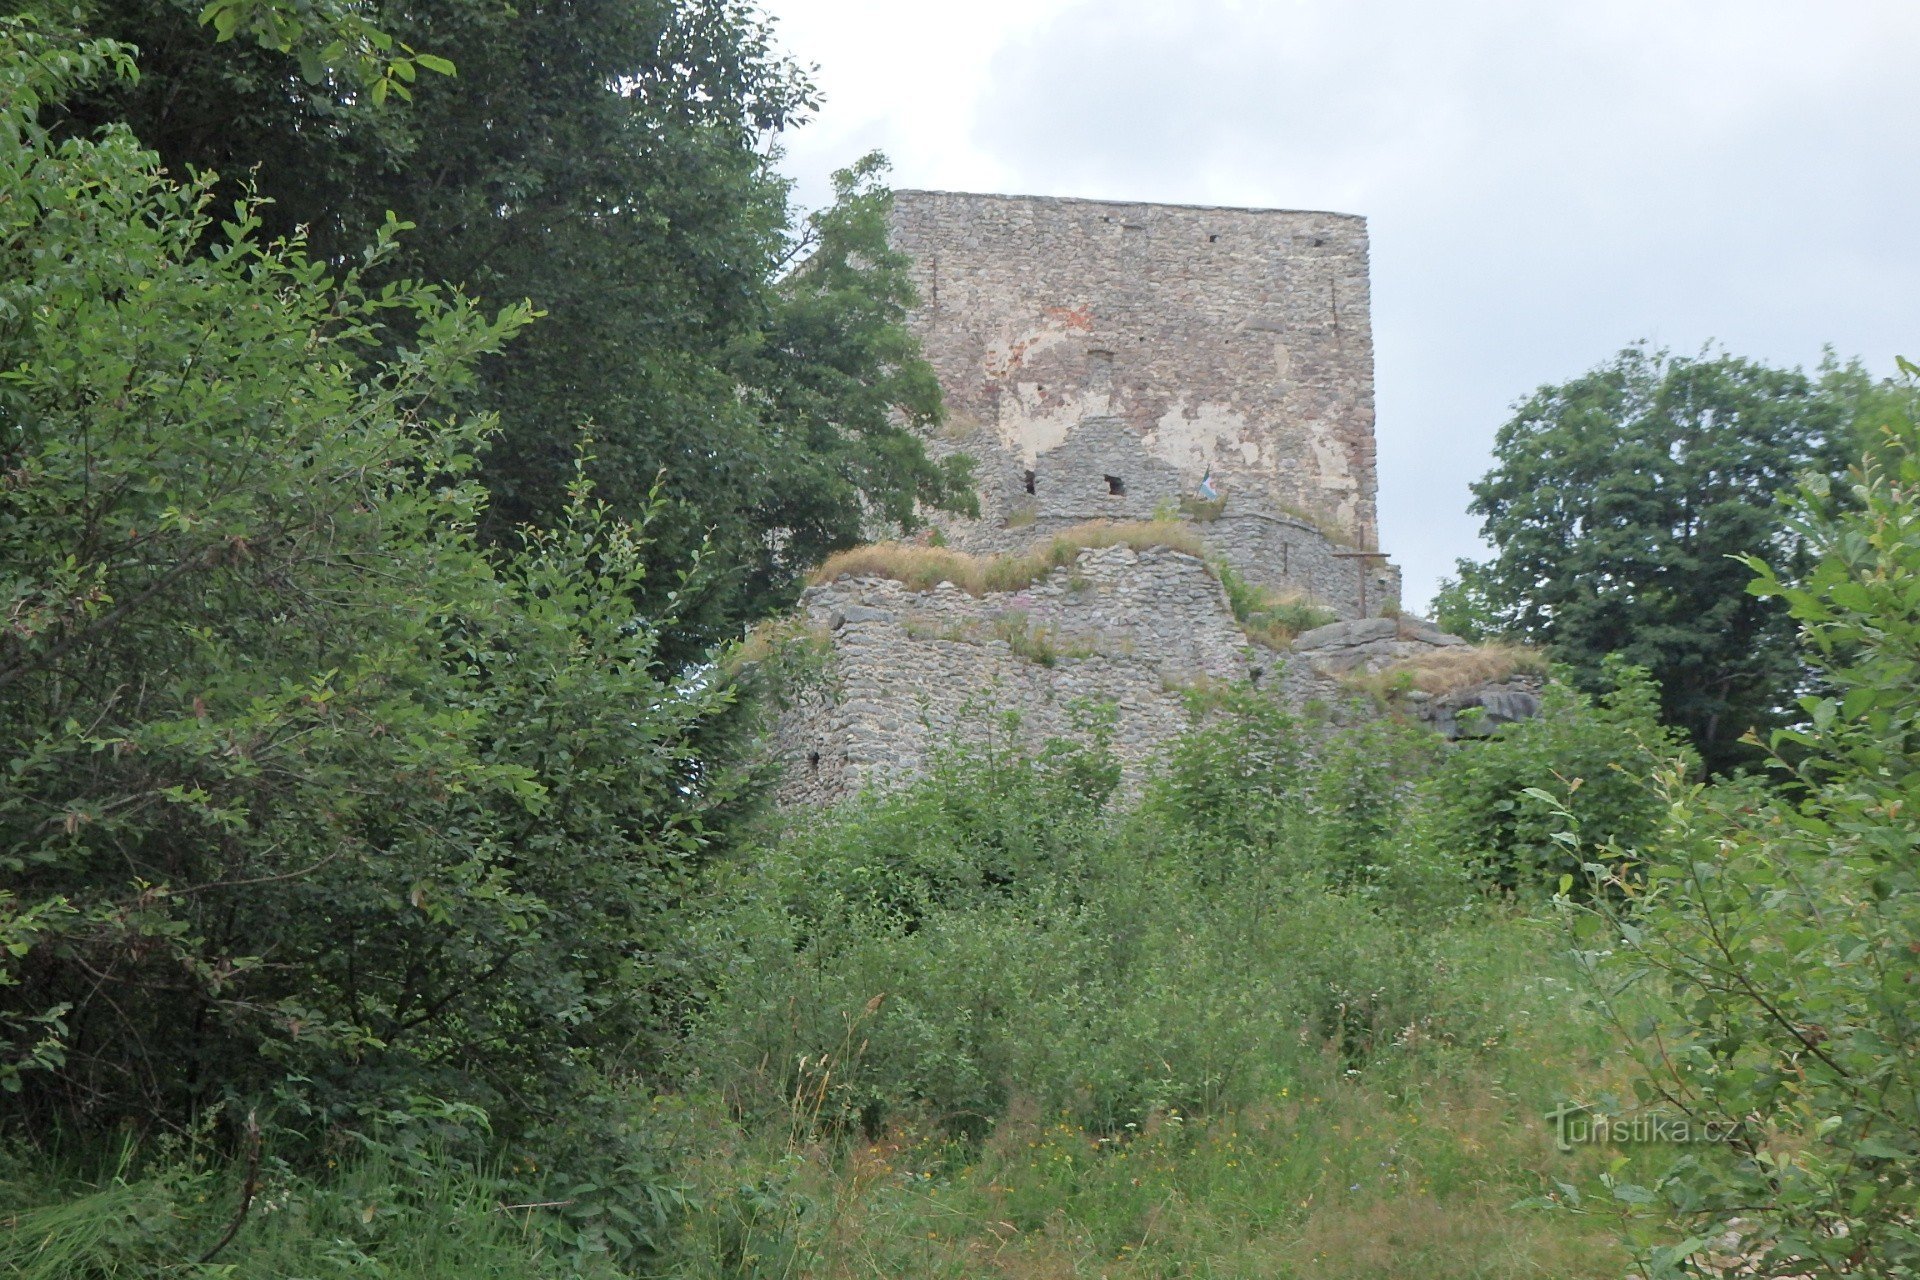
(1099, 358)
(1097, 361)
(1274, 551)
(911, 669)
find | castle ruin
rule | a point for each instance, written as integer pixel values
(1106, 361)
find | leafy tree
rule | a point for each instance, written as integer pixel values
(842, 376)
(1781, 930)
(1615, 508)
(611, 162)
(1881, 410)
(1460, 607)
(308, 796)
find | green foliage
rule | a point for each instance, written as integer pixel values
(1002, 931)
(1782, 930)
(308, 798)
(1203, 510)
(331, 38)
(1880, 409)
(1615, 508)
(371, 1213)
(984, 821)
(1409, 1166)
(611, 162)
(1235, 779)
(1367, 795)
(1460, 607)
(839, 370)
(1251, 784)
(1500, 804)
(1271, 617)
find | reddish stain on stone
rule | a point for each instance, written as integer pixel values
(1072, 318)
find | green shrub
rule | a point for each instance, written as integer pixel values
(1496, 804)
(1781, 930)
(369, 1213)
(1272, 617)
(1366, 793)
(995, 933)
(987, 821)
(309, 799)
(1236, 779)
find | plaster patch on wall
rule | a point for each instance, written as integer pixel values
(1033, 423)
(1193, 437)
(1333, 474)
(1201, 341)
(1006, 354)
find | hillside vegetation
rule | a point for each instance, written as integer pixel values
(996, 1022)
(387, 883)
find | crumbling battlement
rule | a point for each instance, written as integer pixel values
(1105, 360)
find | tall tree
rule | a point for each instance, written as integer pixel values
(1616, 507)
(308, 797)
(611, 162)
(1769, 949)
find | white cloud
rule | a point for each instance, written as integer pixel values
(1544, 181)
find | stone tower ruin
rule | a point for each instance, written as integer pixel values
(1105, 360)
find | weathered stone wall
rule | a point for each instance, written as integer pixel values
(909, 670)
(1277, 551)
(1098, 359)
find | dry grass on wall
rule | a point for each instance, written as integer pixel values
(1452, 669)
(921, 568)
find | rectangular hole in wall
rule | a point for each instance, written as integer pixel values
(1115, 485)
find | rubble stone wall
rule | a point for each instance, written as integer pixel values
(909, 670)
(1106, 356)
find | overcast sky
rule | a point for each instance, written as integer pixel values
(1544, 182)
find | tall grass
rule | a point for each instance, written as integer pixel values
(1412, 1163)
(1274, 618)
(922, 568)
(1451, 669)
(167, 1213)
(1252, 1027)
